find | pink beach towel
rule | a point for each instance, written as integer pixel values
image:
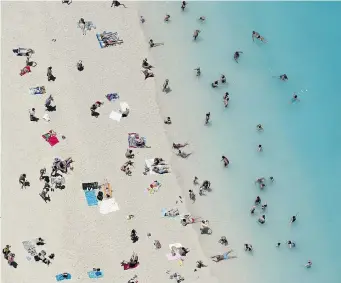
(173, 257)
(53, 140)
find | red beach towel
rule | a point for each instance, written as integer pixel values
(126, 266)
(53, 140)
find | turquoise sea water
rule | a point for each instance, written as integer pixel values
(301, 141)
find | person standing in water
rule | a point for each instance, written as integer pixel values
(226, 99)
(183, 5)
(293, 218)
(165, 85)
(260, 148)
(223, 79)
(208, 116)
(283, 77)
(237, 55)
(202, 18)
(225, 160)
(142, 20)
(198, 71)
(294, 98)
(196, 34)
(260, 128)
(309, 264)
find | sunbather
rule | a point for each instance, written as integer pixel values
(224, 256)
(161, 169)
(183, 154)
(146, 65)
(179, 145)
(147, 74)
(172, 212)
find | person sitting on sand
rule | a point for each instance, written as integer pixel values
(215, 84)
(224, 256)
(146, 65)
(168, 121)
(147, 74)
(196, 34)
(237, 55)
(294, 98)
(258, 36)
(129, 153)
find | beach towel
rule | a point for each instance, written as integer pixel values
(25, 70)
(107, 190)
(108, 205)
(173, 257)
(91, 197)
(46, 117)
(90, 186)
(51, 137)
(60, 277)
(175, 245)
(95, 274)
(132, 142)
(30, 248)
(126, 266)
(112, 96)
(115, 116)
(153, 187)
(107, 39)
(149, 163)
(38, 90)
(124, 106)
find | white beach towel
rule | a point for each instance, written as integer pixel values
(115, 116)
(107, 206)
(124, 106)
(149, 163)
(46, 117)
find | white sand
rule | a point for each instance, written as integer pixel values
(80, 236)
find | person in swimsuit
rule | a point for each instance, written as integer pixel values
(294, 98)
(258, 36)
(183, 5)
(223, 79)
(196, 34)
(224, 256)
(237, 55)
(167, 17)
(198, 71)
(208, 116)
(309, 264)
(226, 161)
(283, 77)
(215, 84)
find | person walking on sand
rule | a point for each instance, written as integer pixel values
(22, 181)
(183, 5)
(198, 71)
(208, 116)
(225, 160)
(165, 85)
(196, 34)
(50, 76)
(237, 55)
(117, 4)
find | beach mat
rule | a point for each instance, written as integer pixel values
(107, 206)
(60, 277)
(115, 116)
(91, 198)
(95, 274)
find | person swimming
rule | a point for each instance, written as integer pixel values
(224, 256)
(309, 264)
(258, 36)
(237, 55)
(283, 77)
(294, 98)
(196, 34)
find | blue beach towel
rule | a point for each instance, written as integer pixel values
(91, 198)
(60, 277)
(95, 274)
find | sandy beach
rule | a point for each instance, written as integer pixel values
(79, 235)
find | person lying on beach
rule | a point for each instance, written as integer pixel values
(183, 5)
(172, 212)
(237, 55)
(225, 160)
(23, 52)
(207, 119)
(161, 169)
(206, 185)
(158, 161)
(152, 44)
(129, 153)
(146, 65)
(183, 154)
(117, 4)
(168, 121)
(223, 79)
(198, 71)
(224, 256)
(147, 74)
(196, 34)
(258, 36)
(125, 167)
(167, 17)
(215, 84)
(179, 145)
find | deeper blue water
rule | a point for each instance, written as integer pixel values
(301, 140)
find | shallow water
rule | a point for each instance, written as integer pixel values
(301, 140)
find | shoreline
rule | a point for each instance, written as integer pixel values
(79, 246)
